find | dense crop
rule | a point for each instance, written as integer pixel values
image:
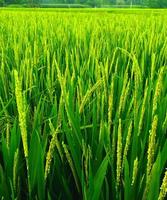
(83, 105)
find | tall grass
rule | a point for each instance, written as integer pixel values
(83, 105)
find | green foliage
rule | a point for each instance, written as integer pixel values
(2, 2)
(64, 6)
(83, 104)
(155, 3)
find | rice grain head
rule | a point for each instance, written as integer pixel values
(21, 111)
(163, 189)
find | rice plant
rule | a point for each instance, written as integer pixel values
(83, 104)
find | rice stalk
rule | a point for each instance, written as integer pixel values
(15, 169)
(158, 89)
(70, 162)
(127, 143)
(135, 171)
(50, 154)
(21, 111)
(119, 155)
(163, 188)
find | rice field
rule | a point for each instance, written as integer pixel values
(83, 104)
